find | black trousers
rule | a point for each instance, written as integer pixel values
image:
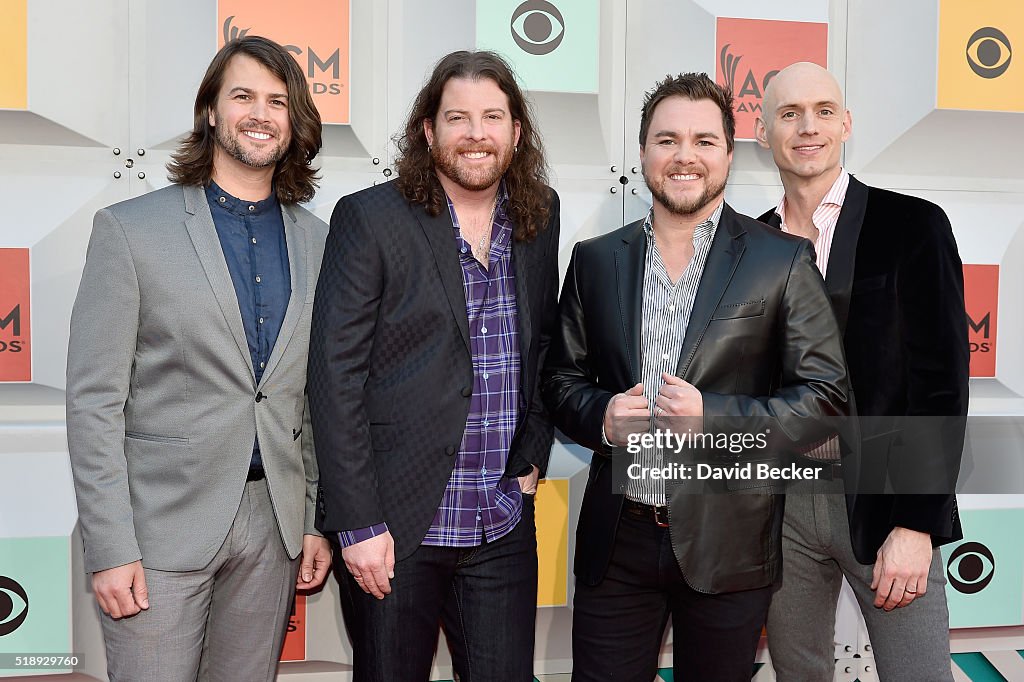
(618, 624)
(485, 597)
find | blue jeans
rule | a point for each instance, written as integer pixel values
(485, 597)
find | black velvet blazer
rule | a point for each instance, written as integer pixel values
(896, 283)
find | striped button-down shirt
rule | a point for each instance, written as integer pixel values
(665, 315)
(825, 218)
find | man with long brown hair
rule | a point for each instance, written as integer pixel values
(186, 377)
(434, 309)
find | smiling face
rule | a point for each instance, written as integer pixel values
(250, 117)
(804, 123)
(685, 158)
(473, 135)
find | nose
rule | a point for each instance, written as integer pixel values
(476, 128)
(259, 109)
(808, 125)
(685, 154)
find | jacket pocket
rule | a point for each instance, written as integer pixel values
(154, 438)
(734, 311)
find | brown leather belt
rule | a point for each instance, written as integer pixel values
(658, 514)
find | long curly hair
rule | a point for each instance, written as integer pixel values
(526, 177)
(295, 181)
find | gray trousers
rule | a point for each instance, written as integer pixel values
(909, 643)
(224, 622)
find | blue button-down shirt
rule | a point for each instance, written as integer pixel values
(252, 238)
(479, 503)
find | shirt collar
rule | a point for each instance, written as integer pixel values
(218, 197)
(835, 195)
(702, 231)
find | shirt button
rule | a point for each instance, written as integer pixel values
(222, 199)
(262, 365)
(486, 376)
(254, 240)
(664, 356)
(252, 208)
(487, 423)
(483, 330)
(261, 320)
(258, 280)
(670, 308)
(464, 250)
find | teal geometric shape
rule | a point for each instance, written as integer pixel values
(666, 674)
(977, 667)
(570, 66)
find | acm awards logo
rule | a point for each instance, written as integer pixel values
(981, 301)
(12, 320)
(971, 567)
(752, 86)
(533, 27)
(12, 613)
(989, 52)
(314, 65)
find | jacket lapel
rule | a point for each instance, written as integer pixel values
(726, 251)
(843, 255)
(203, 233)
(522, 257)
(297, 240)
(629, 280)
(440, 236)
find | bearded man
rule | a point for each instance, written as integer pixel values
(433, 314)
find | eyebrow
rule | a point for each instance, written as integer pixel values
(822, 103)
(699, 135)
(250, 91)
(465, 111)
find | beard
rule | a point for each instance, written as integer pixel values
(447, 161)
(683, 207)
(254, 158)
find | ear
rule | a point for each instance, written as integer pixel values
(428, 130)
(847, 125)
(517, 127)
(761, 132)
(211, 118)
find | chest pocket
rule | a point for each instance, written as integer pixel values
(735, 311)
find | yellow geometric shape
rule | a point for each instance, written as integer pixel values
(13, 54)
(552, 542)
(977, 69)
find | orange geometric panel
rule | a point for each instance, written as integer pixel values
(315, 31)
(751, 51)
(15, 316)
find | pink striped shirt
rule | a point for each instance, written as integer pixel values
(824, 218)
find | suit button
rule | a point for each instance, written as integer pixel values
(467, 391)
(260, 396)
(450, 450)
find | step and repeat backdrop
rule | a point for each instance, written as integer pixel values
(94, 97)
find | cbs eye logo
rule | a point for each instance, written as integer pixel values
(533, 27)
(12, 614)
(971, 567)
(989, 52)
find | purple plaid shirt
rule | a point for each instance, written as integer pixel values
(479, 503)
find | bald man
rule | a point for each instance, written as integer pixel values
(893, 273)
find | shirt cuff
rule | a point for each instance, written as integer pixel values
(347, 538)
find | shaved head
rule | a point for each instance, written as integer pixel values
(796, 82)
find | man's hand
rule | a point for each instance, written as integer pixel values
(316, 559)
(677, 398)
(901, 569)
(372, 564)
(626, 413)
(121, 591)
(528, 483)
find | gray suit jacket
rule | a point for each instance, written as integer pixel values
(162, 400)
